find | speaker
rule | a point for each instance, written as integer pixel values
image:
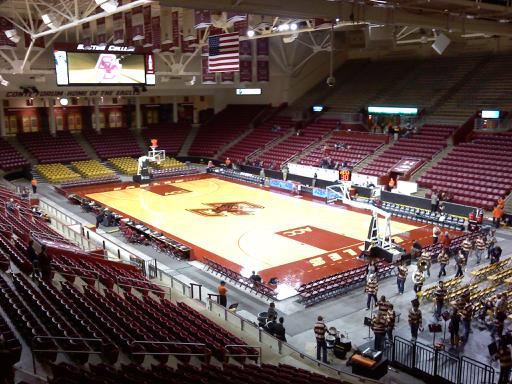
(441, 43)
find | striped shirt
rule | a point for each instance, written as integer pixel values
(426, 257)
(505, 356)
(320, 330)
(443, 258)
(391, 317)
(480, 244)
(402, 271)
(372, 287)
(440, 294)
(383, 305)
(467, 312)
(379, 324)
(466, 245)
(415, 317)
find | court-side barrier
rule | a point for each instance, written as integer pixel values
(280, 347)
(434, 365)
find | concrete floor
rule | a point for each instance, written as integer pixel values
(346, 312)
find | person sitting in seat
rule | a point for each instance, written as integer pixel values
(255, 277)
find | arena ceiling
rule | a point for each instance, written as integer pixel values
(405, 22)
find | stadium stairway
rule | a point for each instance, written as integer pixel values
(425, 167)
(372, 157)
(273, 144)
(13, 140)
(85, 146)
(312, 148)
(226, 147)
(189, 140)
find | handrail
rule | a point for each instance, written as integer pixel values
(244, 323)
(143, 288)
(259, 355)
(60, 350)
(170, 353)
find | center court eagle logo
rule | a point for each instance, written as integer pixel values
(236, 208)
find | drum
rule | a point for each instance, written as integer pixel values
(329, 340)
(346, 344)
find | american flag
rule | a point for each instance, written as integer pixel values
(223, 53)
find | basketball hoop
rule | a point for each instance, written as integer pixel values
(154, 144)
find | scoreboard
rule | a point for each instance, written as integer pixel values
(345, 175)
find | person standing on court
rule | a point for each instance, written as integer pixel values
(466, 247)
(480, 248)
(436, 231)
(320, 330)
(33, 182)
(391, 318)
(443, 260)
(434, 201)
(285, 172)
(461, 262)
(505, 358)
(313, 181)
(223, 292)
(401, 277)
(371, 289)
(426, 260)
(454, 327)
(415, 319)
(439, 294)
(467, 315)
(379, 328)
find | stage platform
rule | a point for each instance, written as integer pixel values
(252, 228)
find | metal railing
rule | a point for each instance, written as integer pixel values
(426, 361)
(280, 347)
(60, 350)
(205, 354)
(122, 285)
(259, 356)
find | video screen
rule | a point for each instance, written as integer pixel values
(105, 68)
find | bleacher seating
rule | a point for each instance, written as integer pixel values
(170, 136)
(169, 163)
(359, 146)
(257, 139)
(187, 374)
(62, 148)
(475, 173)
(225, 127)
(92, 168)
(114, 142)
(421, 146)
(56, 173)
(125, 165)
(238, 279)
(276, 156)
(90, 181)
(334, 285)
(10, 158)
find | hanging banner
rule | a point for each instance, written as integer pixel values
(155, 25)
(262, 71)
(245, 71)
(227, 77)
(202, 18)
(137, 24)
(175, 28)
(245, 48)
(241, 26)
(206, 77)
(118, 28)
(262, 47)
(86, 34)
(101, 35)
(128, 28)
(148, 30)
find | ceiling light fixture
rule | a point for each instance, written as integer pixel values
(63, 101)
(12, 34)
(293, 26)
(250, 33)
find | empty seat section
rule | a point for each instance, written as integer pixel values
(10, 158)
(62, 148)
(114, 142)
(170, 136)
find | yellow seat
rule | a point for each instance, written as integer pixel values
(125, 165)
(92, 168)
(56, 173)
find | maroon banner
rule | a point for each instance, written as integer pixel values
(128, 28)
(148, 29)
(241, 27)
(86, 34)
(227, 77)
(5, 25)
(118, 28)
(262, 71)
(206, 77)
(202, 18)
(175, 28)
(137, 24)
(157, 37)
(262, 47)
(187, 45)
(245, 71)
(101, 36)
(246, 48)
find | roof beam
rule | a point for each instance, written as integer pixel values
(346, 10)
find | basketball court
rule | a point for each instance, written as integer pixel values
(251, 228)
